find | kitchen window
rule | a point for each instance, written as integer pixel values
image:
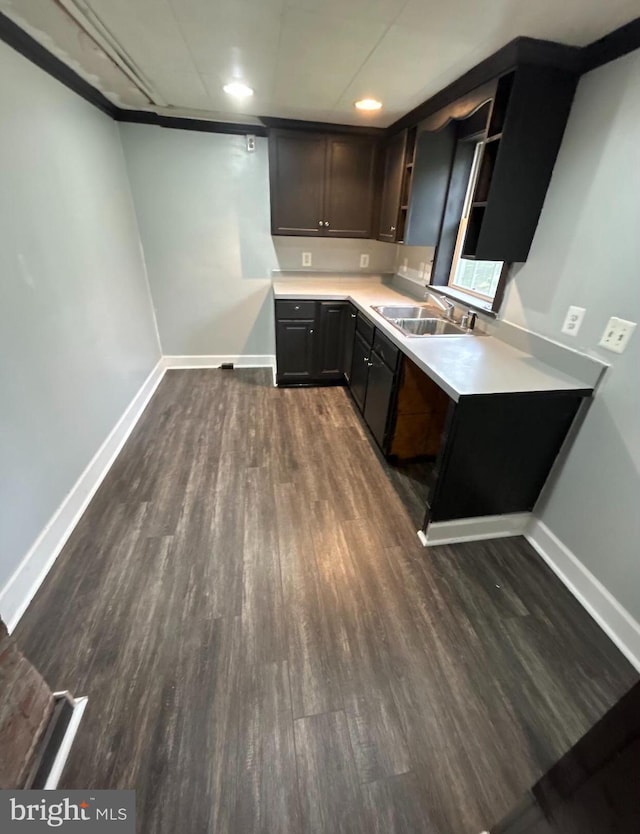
(477, 278)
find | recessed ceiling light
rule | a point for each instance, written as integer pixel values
(369, 104)
(238, 89)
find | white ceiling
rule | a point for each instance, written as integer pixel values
(306, 59)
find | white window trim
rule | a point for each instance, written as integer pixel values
(462, 228)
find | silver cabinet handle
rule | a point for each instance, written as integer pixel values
(326, 222)
(370, 364)
(320, 223)
(311, 331)
(393, 228)
(366, 358)
(296, 307)
(353, 315)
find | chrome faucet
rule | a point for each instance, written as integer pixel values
(444, 305)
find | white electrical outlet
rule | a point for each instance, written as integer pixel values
(573, 320)
(364, 260)
(616, 334)
(306, 259)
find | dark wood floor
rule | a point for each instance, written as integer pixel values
(266, 647)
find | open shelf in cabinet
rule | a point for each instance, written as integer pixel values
(474, 225)
(500, 104)
(485, 174)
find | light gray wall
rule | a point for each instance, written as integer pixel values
(415, 263)
(587, 252)
(77, 336)
(203, 209)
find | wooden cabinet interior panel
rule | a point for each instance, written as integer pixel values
(26, 704)
(421, 411)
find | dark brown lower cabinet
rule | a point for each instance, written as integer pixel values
(377, 407)
(496, 452)
(360, 370)
(310, 341)
(331, 338)
(594, 788)
(294, 349)
(349, 336)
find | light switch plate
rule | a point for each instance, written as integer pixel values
(573, 320)
(306, 259)
(617, 334)
(364, 260)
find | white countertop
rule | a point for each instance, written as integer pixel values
(461, 365)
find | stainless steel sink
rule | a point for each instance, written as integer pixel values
(420, 320)
(428, 327)
(393, 312)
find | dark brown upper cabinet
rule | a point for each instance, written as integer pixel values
(395, 166)
(517, 122)
(322, 185)
(523, 136)
(431, 173)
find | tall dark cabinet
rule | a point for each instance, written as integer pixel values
(394, 167)
(322, 185)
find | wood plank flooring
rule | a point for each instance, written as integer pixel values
(267, 648)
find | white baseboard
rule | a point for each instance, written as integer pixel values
(27, 578)
(612, 617)
(265, 360)
(474, 529)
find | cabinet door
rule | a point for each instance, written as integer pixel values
(392, 187)
(359, 370)
(432, 168)
(297, 175)
(331, 339)
(379, 396)
(349, 190)
(294, 350)
(349, 336)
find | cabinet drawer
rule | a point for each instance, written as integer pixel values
(295, 309)
(365, 329)
(386, 350)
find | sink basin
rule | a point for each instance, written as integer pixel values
(393, 312)
(420, 321)
(428, 327)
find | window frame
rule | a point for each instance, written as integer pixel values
(462, 232)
